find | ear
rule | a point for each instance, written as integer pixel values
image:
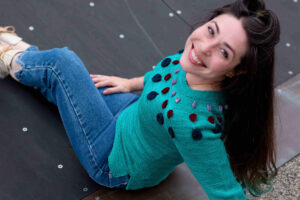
(241, 72)
(232, 74)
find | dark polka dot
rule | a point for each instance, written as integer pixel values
(217, 129)
(220, 119)
(156, 78)
(165, 90)
(165, 103)
(196, 134)
(193, 117)
(167, 77)
(160, 118)
(152, 95)
(181, 51)
(175, 62)
(171, 132)
(211, 119)
(166, 62)
(170, 113)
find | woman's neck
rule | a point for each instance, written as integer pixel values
(197, 83)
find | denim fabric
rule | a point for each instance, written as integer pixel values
(88, 116)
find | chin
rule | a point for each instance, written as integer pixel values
(184, 63)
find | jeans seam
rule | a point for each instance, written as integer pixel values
(77, 116)
(68, 95)
(121, 184)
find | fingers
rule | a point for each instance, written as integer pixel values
(99, 84)
(104, 81)
(98, 79)
(110, 90)
(98, 76)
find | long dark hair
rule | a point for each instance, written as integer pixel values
(249, 125)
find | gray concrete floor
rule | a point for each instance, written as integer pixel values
(286, 184)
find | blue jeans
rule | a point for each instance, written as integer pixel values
(88, 116)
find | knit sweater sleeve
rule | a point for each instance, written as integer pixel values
(205, 154)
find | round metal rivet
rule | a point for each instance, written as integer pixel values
(92, 4)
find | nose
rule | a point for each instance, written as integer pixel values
(207, 47)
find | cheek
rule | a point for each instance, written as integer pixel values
(218, 65)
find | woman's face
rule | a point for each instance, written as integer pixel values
(214, 49)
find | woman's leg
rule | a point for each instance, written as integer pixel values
(117, 102)
(62, 78)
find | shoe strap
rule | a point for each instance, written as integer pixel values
(10, 38)
(8, 56)
(5, 29)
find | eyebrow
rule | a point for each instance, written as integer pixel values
(225, 43)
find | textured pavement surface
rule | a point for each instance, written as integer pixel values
(286, 184)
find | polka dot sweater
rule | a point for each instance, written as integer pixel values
(169, 124)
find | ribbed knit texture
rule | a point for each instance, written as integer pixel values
(151, 140)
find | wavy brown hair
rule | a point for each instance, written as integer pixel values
(249, 122)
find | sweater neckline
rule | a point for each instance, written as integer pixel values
(209, 95)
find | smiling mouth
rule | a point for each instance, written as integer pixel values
(194, 59)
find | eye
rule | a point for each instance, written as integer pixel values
(224, 52)
(210, 30)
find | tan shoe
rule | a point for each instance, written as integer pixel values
(8, 38)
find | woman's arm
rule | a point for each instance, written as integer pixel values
(136, 83)
(117, 84)
(208, 161)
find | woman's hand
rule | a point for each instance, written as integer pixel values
(118, 84)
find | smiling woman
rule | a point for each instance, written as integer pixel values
(219, 46)
(237, 43)
(209, 105)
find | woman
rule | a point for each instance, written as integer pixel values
(210, 106)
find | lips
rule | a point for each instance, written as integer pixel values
(195, 58)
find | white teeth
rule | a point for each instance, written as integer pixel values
(195, 58)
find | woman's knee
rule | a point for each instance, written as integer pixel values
(63, 54)
(65, 57)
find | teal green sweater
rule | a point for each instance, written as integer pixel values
(169, 124)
